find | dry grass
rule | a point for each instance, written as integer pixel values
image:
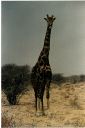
(67, 108)
(7, 122)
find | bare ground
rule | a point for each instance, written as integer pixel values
(67, 108)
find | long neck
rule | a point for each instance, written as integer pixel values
(46, 47)
(47, 38)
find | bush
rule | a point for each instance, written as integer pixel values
(82, 78)
(14, 81)
(58, 78)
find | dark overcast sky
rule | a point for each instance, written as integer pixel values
(23, 30)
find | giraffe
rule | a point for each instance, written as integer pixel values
(41, 74)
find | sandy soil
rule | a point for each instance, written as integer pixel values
(67, 108)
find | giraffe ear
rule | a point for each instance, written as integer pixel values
(45, 19)
(47, 16)
(54, 18)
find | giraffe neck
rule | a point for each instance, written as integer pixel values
(44, 55)
(47, 38)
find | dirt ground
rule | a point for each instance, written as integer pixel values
(67, 108)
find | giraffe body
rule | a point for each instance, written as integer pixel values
(41, 73)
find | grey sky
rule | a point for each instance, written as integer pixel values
(23, 31)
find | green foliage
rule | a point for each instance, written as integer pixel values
(14, 81)
(58, 78)
(82, 78)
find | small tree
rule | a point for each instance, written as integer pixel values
(82, 78)
(14, 81)
(58, 78)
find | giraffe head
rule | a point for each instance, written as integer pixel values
(50, 20)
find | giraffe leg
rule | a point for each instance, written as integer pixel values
(42, 104)
(39, 103)
(47, 95)
(36, 101)
(42, 109)
(38, 112)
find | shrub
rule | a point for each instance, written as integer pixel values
(14, 81)
(58, 78)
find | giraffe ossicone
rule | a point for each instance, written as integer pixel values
(41, 74)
